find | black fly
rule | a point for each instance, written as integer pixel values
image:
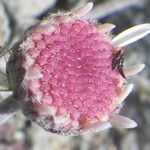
(118, 62)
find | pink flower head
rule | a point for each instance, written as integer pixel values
(62, 77)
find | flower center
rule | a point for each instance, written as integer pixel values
(75, 63)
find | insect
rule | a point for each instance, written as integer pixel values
(118, 62)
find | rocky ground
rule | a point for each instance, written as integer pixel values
(20, 134)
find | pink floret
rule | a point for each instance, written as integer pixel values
(75, 63)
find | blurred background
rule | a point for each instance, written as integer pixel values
(20, 134)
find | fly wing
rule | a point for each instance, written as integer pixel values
(120, 69)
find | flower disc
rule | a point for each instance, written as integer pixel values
(67, 80)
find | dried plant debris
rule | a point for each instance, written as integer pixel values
(25, 11)
(4, 26)
(11, 135)
(130, 141)
(4, 85)
(111, 6)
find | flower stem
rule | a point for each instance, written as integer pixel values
(8, 106)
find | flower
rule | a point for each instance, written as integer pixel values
(62, 77)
